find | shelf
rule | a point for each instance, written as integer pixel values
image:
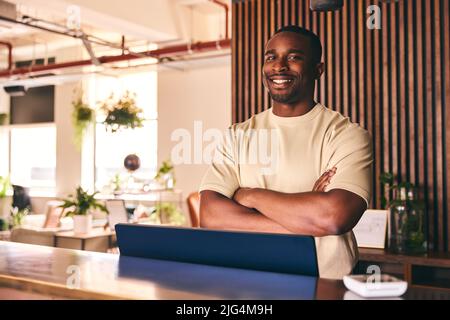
(150, 196)
(434, 259)
(431, 270)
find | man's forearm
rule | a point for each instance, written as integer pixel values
(310, 213)
(219, 212)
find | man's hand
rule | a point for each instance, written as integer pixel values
(243, 197)
(324, 180)
(220, 212)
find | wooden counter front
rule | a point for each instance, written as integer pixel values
(74, 274)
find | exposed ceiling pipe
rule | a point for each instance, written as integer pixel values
(158, 53)
(225, 6)
(9, 46)
(63, 31)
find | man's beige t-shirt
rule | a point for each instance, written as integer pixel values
(288, 154)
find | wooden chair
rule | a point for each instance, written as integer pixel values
(193, 202)
(53, 214)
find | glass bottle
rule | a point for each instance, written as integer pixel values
(407, 222)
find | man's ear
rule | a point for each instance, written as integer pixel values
(320, 68)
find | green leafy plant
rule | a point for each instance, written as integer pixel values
(116, 182)
(408, 211)
(82, 203)
(122, 113)
(4, 186)
(165, 174)
(168, 213)
(387, 179)
(3, 117)
(82, 116)
(4, 224)
(17, 216)
(165, 168)
(5, 203)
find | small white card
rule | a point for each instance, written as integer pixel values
(370, 232)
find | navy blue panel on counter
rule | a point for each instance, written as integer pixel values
(248, 250)
(219, 282)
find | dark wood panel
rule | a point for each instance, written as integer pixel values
(394, 82)
(446, 114)
(253, 59)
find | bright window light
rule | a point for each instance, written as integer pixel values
(112, 148)
(4, 151)
(33, 157)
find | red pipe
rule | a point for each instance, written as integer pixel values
(226, 15)
(7, 44)
(199, 46)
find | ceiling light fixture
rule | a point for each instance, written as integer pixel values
(325, 5)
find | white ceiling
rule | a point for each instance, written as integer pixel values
(146, 24)
(146, 20)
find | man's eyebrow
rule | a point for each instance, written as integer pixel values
(296, 51)
(272, 51)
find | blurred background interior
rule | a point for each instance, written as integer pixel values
(91, 95)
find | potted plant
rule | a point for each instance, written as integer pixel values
(122, 113)
(17, 216)
(168, 213)
(80, 208)
(4, 187)
(165, 175)
(82, 116)
(407, 216)
(3, 117)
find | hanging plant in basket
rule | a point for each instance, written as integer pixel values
(122, 113)
(82, 117)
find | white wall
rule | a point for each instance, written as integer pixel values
(202, 94)
(4, 137)
(68, 158)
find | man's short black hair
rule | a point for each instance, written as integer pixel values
(316, 46)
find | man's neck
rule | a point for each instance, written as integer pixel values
(293, 110)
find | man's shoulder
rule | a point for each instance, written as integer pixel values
(340, 124)
(258, 120)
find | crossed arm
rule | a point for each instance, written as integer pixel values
(317, 213)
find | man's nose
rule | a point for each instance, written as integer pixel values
(280, 65)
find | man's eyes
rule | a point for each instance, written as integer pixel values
(295, 57)
(290, 57)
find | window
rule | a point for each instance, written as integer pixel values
(4, 151)
(112, 148)
(33, 156)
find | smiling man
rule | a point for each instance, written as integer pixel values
(321, 181)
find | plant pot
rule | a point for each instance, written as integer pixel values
(168, 180)
(82, 224)
(5, 206)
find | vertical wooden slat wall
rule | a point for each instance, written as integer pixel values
(393, 81)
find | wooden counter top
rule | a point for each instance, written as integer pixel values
(52, 272)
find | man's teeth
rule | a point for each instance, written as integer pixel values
(281, 81)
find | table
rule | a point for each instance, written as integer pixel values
(99, 234)
(67, 273)
(5, 235)
(154, 196)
